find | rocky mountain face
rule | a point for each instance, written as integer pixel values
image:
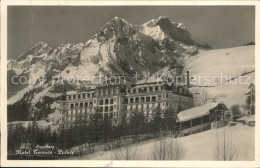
(117, 48)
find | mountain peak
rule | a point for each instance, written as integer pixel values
(41, 43)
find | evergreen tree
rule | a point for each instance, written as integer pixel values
(157, 121)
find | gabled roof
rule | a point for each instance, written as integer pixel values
(196, 111)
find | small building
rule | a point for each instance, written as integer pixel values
(201, 118)
(250, 99)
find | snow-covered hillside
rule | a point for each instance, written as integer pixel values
(200, 146)
(222, 65)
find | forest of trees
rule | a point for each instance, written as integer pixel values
(21, 110)
(95, 131)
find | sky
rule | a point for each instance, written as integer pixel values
(219, 26)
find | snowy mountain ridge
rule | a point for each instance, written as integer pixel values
(117, 48)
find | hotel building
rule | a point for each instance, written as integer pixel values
(112, 100)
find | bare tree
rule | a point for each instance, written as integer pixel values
(203, 97)
(170, 149)
(235, 110)
(128, 152)
(81, 149)
(226, 149)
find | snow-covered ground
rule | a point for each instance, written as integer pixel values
(200, 146)
(221, 65)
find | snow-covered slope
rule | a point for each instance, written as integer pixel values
(200, 146)
(213, 68)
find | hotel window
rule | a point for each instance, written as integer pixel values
(142, 99)
(147, 99)
(150, 89)
(159, 97)
(111, 101)
(114, 106)
(69, 97)
(101, 102)
(131, 100)
(140, 90)
(92, 94)
(134, 90)
(167, 96)
(137, 100)
(83, 96)
(100, 109)
(88, 95)
(77, 105)
(156, 88)
(74, 97)
(154, 98)
(145, 89)
(81, 105)
(106, 108)
(86, 104)
(90, 104)
(106, 101)
(111, 108)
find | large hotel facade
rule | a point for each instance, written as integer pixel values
(113, 101)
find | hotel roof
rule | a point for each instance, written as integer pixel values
(196, 112)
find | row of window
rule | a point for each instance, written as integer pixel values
(195, 122)
(144, 89)
(75, 112)
(107, 108)
(143, 99)
(81, 105)
(80, 96)
(108, 91)
(107, 101)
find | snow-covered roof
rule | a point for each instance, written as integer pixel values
(196, 112)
